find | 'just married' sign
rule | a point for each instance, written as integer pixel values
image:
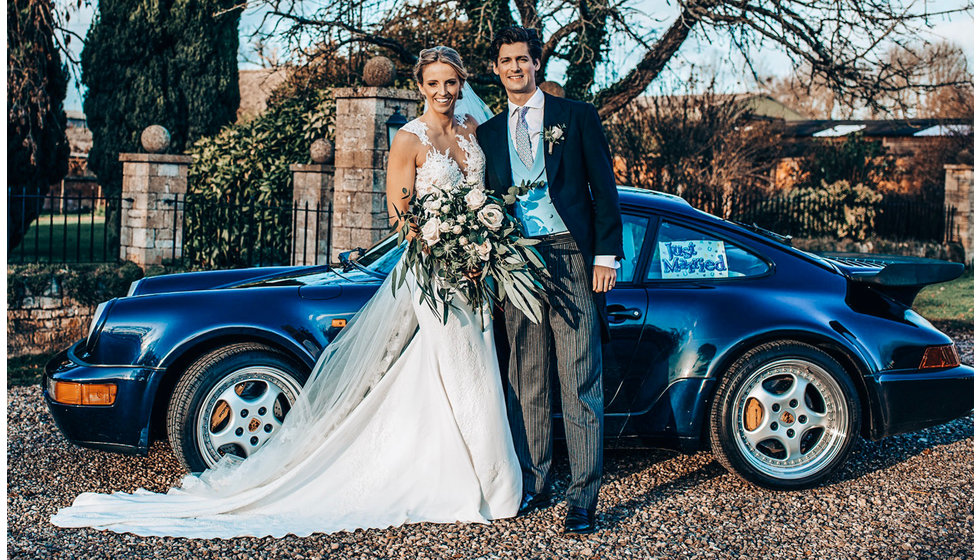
(693, 259)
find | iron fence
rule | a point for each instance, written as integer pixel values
(222, 234)
(65, 228)
(898, 217)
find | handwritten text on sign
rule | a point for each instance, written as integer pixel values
(693, 259)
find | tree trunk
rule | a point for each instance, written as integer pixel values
(616, 96)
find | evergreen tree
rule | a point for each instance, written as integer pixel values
(166, 62)
(37, 149)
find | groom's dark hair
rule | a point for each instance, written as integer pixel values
(515, 34)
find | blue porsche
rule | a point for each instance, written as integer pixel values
(723, 337)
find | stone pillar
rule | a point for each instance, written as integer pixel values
(312, 186)
(959, 196)
(360, 214)
(150, 182)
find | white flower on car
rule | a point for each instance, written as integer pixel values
(444, 227)
(457, 229)
(491, 216)
(483, 249)
(475, 199)
(430, 231)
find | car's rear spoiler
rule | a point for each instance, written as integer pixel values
(900, 278)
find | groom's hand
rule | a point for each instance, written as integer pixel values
(603, 278)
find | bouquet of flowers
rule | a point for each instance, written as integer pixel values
(467, 245)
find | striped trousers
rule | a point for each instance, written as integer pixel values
(569, 330)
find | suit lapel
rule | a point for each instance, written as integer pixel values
(555, 114)
(500, 156)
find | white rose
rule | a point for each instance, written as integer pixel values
(491, 216)
(446, 208)
(461, 218)
(430, 232)
(484, 249)
(444, 227)
(475, 199)
(457, 229)
(431, 205)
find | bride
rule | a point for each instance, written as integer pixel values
(403, 418)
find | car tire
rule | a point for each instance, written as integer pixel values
(785, 416)
(231, 400)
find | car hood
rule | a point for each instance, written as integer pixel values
(274, 276)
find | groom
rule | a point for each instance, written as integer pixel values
(574, 211)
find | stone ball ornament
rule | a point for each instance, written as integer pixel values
(552, 88)
(379, 72)
(155, 139)
(321, 151)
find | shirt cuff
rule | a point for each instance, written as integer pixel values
(608, 261)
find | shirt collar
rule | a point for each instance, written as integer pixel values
(535, 102)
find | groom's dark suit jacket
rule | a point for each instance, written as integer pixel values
(580, 178)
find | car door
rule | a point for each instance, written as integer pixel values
(694, 275)
(626, 308)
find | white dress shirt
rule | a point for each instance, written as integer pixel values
(535, 124)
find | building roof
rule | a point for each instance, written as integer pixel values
(888, 128)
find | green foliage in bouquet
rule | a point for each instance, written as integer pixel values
(240, 187)
(461, 241)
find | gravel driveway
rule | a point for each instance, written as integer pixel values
(908, 496)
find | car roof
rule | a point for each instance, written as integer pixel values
(656, 200)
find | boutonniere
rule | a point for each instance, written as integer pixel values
(554, 135)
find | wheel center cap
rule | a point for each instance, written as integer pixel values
(787, 417)
(254, 424)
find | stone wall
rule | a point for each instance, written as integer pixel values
(360, 213)
(150, 182)
(45, 323)
(959, 195)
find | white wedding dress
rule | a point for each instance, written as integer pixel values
(402, 421)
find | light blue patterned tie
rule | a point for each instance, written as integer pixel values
(523, 138)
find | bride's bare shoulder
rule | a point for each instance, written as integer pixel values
(406, 142)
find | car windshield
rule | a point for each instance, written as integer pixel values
(382, 257)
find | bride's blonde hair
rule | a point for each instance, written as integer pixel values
(442, 54)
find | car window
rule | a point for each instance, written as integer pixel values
(383, 256)
(634, 231)
(681, 253)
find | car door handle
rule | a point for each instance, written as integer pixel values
(621, 313)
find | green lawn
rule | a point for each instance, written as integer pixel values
(51, 239)
(949, 303)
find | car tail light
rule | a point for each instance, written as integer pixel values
(339, 323)
(93, 394)
(940, 357)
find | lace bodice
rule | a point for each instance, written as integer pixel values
(440, 168)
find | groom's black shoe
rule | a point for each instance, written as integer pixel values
(580, 521)
(532, 501)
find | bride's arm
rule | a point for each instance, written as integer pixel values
(400, 185)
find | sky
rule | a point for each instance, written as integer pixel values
(701, 53)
